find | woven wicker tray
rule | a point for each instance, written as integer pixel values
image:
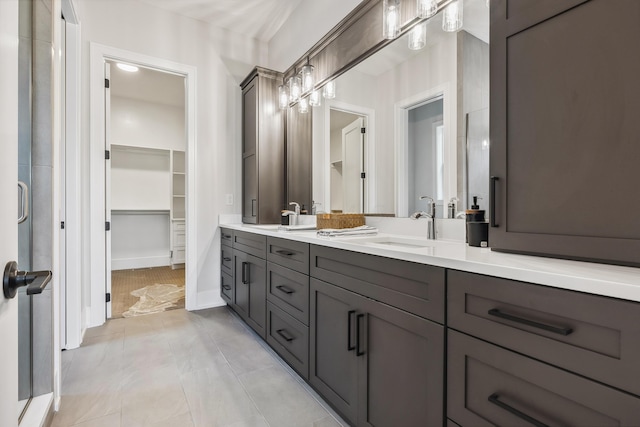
(337, 220)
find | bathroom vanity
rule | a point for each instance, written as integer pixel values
(388, 328)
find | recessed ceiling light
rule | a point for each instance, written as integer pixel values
(127, 67)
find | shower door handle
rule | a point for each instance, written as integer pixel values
(35, 281)
(24, 202)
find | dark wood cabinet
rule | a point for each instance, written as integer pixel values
(250, 290)
(491, 386)
(377, 365)
(565, 98)
(263, 160)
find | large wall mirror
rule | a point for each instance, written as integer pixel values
(408, 123)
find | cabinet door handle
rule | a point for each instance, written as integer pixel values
(359, 351)
(285, 289)
(226, 236)
(556, 330)
(492, 197)
(253, 207)
(283, 333)
(227, 259)
(226, 287)
(245, 273)
(494, 399)
(285, 253)
(349, 316)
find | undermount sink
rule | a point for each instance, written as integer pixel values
(397, 242)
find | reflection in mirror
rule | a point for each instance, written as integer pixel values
(414, 106)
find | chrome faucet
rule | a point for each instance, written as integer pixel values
(293, 215)
(431, 207)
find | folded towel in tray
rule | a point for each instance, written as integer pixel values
(355, 231)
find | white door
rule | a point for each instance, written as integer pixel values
(8, 207)
(107, 180)
(353, 167)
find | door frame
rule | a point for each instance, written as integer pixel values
(98, 55)
(401, 129)
(368, 115)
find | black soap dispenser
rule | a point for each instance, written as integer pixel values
(477, 227)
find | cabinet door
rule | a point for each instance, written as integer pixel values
(249, 152)
(401, 378)
(333, 363)
(251, 290)
(565, 98)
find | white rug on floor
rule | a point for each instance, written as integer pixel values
(155, 299)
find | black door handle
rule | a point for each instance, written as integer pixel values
(285, 253)
(555, 329)
(494, 399)
(35, 281)
(359, 351)
(285, 289)
(227, 259)
(284, 334)
(245, 273)
(492, 200)
(349, 316)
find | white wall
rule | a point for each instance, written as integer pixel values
(220, 57)
(147, 124)
(308, 23)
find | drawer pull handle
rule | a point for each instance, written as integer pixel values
(284, 335)
(556, 330)
(227, 259)
(349, 316)
(245, 273)
(494, 399)
(285, 253)
(285, 289)
(359, 351)
(226, 287)
(226, 236)
(492, 200)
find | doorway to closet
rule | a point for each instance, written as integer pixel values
(145, 189)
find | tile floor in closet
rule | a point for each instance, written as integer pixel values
(182, 369)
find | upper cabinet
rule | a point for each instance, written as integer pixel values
(565, 100)
(262, 148)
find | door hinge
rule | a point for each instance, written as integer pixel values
(171, 254)
(363, 175)
(62, 225)
(106, 83)
(108, 297)
(107, 226)
(107, 154)
(363, 130)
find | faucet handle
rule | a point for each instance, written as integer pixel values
(427, 197)
(296, 207)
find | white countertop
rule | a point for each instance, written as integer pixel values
(599, 279)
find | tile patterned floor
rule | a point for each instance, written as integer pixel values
(183, 369)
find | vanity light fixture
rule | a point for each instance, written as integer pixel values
(418, 36)
(452, 17)
(303, 105)
(306, 76)
(283, 96)
(329, 91)
(315, 99)
(295, 88)
(390, 19)
(427, 8)
(127, 67)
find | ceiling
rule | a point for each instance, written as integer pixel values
(148, 85)
(258, 19)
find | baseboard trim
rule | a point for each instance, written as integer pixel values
(144, 262)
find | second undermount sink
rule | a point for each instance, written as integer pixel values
(396, 242)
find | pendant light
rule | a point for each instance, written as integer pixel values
(329, 91)
(283, 96)
(303, 105)
(295, 88)
(315, 99)
(418, 36)
(452, 17)
(427, 8)
(306, 77)
(390, 19)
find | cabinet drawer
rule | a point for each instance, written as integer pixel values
(179, 256)
(226, 237)
(179, 226)
(593, 336)
(491, 386)
(254, 244)
(289, 338)
(178, 238)
(226, 287)
(416, 288)
(226, 260)
(289, 290)
(289, 253)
